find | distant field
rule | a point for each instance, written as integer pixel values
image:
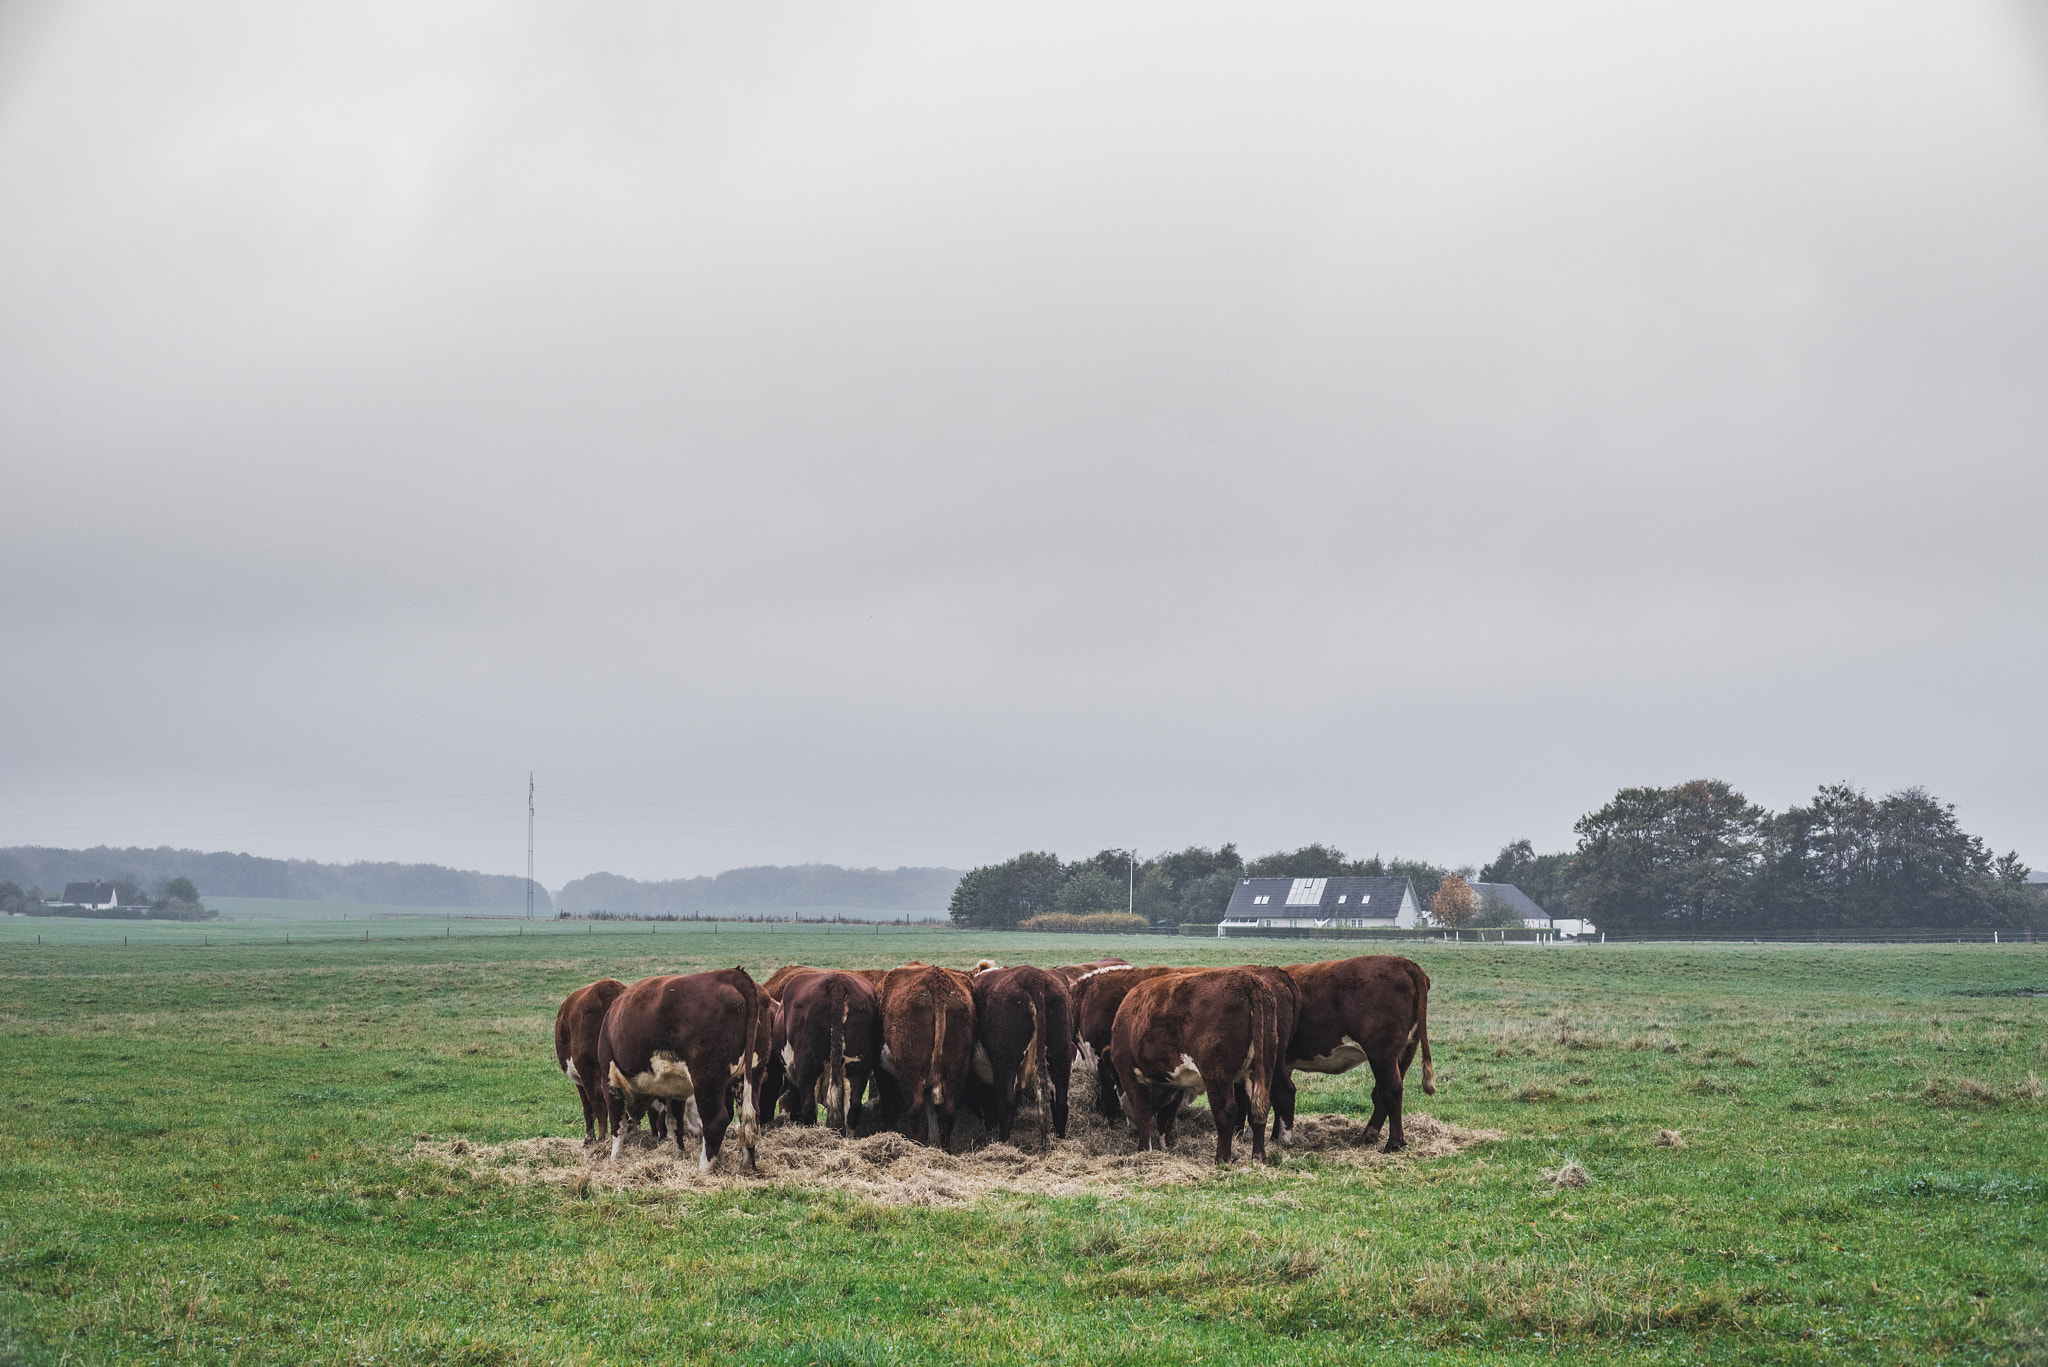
(234, 1153)
(250, 920)
(290, 909)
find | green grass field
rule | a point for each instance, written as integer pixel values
(214, 1153)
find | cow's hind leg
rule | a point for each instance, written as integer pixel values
(1224, 1111)
(1138, 1098)
(1283, 1105)
(1108, 1090)
(1169, 1114)
(800, 1094)
(714, 1112)
(856, 1088)
(1386, 1102)
(889, 1099)
(1004, 1102)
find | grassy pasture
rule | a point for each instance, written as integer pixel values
(211, 1153)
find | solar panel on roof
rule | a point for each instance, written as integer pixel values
(1307, 892)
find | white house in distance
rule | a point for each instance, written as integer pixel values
(94, 895)
(1533, 916)
(1320, 903)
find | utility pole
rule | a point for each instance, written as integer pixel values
(1131, 893)
(529, 844)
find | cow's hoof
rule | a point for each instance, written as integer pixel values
(1371, 1137)
(1392, 1147)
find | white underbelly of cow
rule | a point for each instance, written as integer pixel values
(888, 1061)
(1348, 1054)
(666, 1075)
(983, 1069)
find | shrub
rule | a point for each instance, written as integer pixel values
(1097, 921)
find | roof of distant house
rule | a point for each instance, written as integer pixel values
(1524, 906)
(1375, 898)
(89, 894)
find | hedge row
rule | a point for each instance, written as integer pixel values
(1121, 922)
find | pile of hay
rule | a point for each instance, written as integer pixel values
(885, 1168)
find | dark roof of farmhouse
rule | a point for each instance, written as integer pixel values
(1377, 898)
(88, 894)
(1523, 904)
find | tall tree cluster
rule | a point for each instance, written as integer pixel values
(1700, 856)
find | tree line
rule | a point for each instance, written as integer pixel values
(1697, 856)
(222, 874)
(1702, 857)
(1190, 886)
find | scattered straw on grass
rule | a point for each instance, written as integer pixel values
(888, 1169)
(1669, 1139)
(1571, 1174)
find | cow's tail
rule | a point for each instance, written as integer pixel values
(934, 1069)
(1266, 1044)
(749, 1117)
(1036, 1073)
(836, 1099)
(1422, 1034)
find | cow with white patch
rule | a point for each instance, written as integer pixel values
(695, 1042)
(1097, 995)
(1374, 1010)
(1212, 1030)
(829, 1038)
(927, 1048)
(1023, 1047)
(577, 1025)
(775, 1080)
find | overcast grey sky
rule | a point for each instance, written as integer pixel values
(907, 434)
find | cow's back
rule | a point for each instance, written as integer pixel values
(1355, 1009)
(1098, 994)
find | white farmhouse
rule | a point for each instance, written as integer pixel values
(1321, 903)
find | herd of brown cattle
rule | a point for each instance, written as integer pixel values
(702, 1050)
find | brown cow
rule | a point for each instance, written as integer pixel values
(772, 1080)
(1374, 1010)
(829, 1036)
(695, 1041)
(927, 1047)
(577, 1026)
(1023, 1045)
(1210, 1029)
(781, 978)
(1097, 995)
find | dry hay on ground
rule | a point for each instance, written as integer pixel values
(888, 1169)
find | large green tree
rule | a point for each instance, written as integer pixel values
(1003, 894)
(1668, 858)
